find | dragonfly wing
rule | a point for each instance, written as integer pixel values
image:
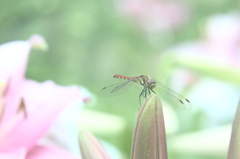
(116, 89)
(172, 97)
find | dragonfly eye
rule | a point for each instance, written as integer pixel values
(151, 83)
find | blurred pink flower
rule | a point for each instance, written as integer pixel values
(223, 42)
(154, 15)
(218, 53)
(220, 44)
(28, 108)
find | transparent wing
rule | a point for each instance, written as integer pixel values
(172, 97)
(115, 89)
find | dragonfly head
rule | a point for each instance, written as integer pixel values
(151, 83)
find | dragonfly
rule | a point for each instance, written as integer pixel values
(150, 86)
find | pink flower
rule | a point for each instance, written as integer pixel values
(28, 108)
(210, 63)
(155, 16)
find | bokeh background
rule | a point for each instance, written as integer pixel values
(190, 46)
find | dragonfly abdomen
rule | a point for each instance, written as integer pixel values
(122, 77)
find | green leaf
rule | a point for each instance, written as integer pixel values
(199, 64)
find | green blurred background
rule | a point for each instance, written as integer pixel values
(90, 41)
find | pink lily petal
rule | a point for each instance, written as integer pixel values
(14, 57)
(13, 60)
(1, 108)
(44, 112)
(15, 154)
(8, 126)
(41, 152)
(17, 53)
(67, 119)
(34, 93)
(43, 101)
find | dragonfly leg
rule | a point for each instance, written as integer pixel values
(152, 91)
(145, 92)
(141, 94)
(149, 91)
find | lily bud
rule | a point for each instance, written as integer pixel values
(149, 137)
(90, 147)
